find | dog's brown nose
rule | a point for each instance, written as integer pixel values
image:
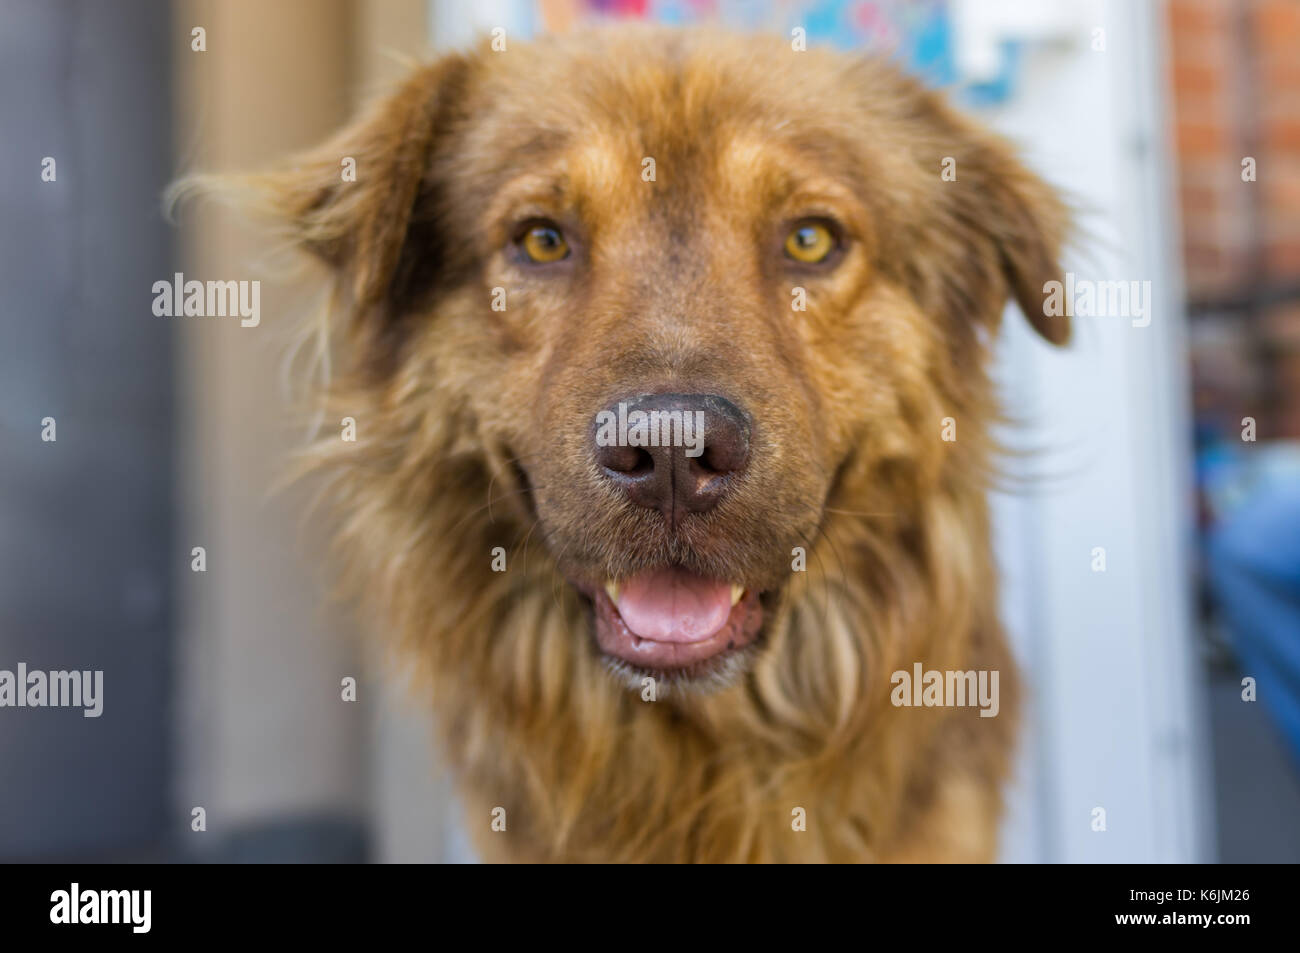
(676, 453)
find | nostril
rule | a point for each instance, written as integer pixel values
(625, 461)
(726, 447)
(724, 457)
(644, 463)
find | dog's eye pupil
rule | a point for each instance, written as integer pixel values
(809, 243)
(544, 243)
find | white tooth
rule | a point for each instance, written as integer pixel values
(611, 590)
(736, 593)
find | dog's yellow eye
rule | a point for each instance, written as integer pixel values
(544, 244)
(809, 243)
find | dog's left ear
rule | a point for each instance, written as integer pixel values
(1027, 224)
(1001, 226)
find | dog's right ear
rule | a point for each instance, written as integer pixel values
(359, 202)
(351, 201)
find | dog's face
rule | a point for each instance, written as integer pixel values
(678, 291)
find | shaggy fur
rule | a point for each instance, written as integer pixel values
(473, 427)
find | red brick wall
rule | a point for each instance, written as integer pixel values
(1235, 75)
(1277, 68)
(1209, 141)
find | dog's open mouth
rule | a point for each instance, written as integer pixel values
(671, 620)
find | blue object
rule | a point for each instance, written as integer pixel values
(1254, 568)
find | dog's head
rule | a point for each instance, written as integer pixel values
(677, 297)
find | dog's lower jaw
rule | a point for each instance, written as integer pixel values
(712, 675)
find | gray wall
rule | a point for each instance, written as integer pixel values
(85, 521)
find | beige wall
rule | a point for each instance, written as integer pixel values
(264, 734)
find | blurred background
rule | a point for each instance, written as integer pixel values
(1164, 686)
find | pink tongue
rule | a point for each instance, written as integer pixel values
(673, 605)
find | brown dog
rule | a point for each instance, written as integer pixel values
(689, 655)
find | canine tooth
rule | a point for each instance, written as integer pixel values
(611, 590)
(736, 593)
